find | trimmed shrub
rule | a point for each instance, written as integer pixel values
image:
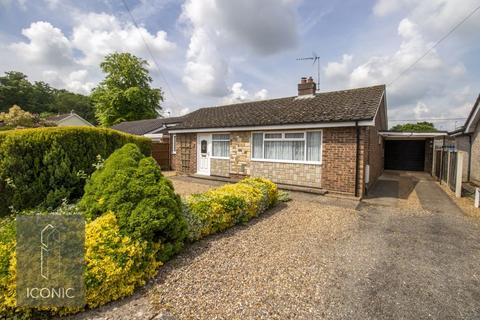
(115, 265)
(221, 208)
(40, 167)
(133, 187)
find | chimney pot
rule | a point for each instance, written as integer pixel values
(307, 87)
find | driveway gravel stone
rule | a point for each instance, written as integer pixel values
(317, 257)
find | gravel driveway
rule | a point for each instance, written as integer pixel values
(318, 257)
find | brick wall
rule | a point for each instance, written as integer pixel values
(186, 153)
(220, 167)
(339, 158)
(240, 153)
(289, 173)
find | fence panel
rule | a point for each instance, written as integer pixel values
(452, 172)
(161, 153)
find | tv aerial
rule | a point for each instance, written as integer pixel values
(316, 60)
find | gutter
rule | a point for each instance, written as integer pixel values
(357, 158)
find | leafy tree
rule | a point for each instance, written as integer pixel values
(40, 98)
(125, 93)
(415, 127)
(66, 101)
(15, 89)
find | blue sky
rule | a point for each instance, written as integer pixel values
(213, 52)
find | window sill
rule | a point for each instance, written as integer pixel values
(287, 161)
(220, 158)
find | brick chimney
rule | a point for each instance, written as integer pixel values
(307, 86)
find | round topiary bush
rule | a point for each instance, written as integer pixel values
(133, 187)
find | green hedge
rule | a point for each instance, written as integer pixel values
(221, 208)
(133, 187)
(40, 167)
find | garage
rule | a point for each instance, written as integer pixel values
(405, 155)
(409, 151)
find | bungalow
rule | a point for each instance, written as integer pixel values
(69, 119)
(327, 141)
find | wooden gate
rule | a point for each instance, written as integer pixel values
(161, 153)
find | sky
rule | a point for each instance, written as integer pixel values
(214, 52)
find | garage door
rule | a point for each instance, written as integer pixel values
(405, 155)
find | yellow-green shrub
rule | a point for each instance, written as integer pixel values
(221, 208)
(115, 265)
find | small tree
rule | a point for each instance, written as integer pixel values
(16, 116)
(125, 93)
(415, 127)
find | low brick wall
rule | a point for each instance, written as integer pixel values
(308, 175)
(220, 167)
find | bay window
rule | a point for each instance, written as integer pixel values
(220, 145)
(287, 146)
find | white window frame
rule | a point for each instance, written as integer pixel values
(174, 144)
(217, 157)
(304, 161)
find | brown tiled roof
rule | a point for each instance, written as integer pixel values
(337, 106)
(141, 127)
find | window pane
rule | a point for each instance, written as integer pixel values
(313, 145)
(221, 136)
(284, 150)
(257, 146)
(273, 136)
(220, 148)
(203, 146)
(295, 135)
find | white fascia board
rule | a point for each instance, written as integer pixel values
(154, 131)
(412, 134)
(469, 127)
(362, 123)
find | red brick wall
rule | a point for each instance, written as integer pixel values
(339, 159)
(186, 153)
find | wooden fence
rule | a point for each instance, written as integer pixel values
(161, 153)
(448, 168)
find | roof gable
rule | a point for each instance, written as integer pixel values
(473, 117)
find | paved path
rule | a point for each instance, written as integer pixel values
(408, 252)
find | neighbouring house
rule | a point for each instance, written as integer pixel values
(467, 140)
(69, 119)
(327, 141)
(157, 130)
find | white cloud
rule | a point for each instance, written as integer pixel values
(239, 94)
(424, 91)
(339, 71)
(72, 62)
(98, 34)
(47, 45)
(435, 16)
(218, 27)
(206, 70)
(261, 94)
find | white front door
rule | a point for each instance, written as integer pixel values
(204, 150)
